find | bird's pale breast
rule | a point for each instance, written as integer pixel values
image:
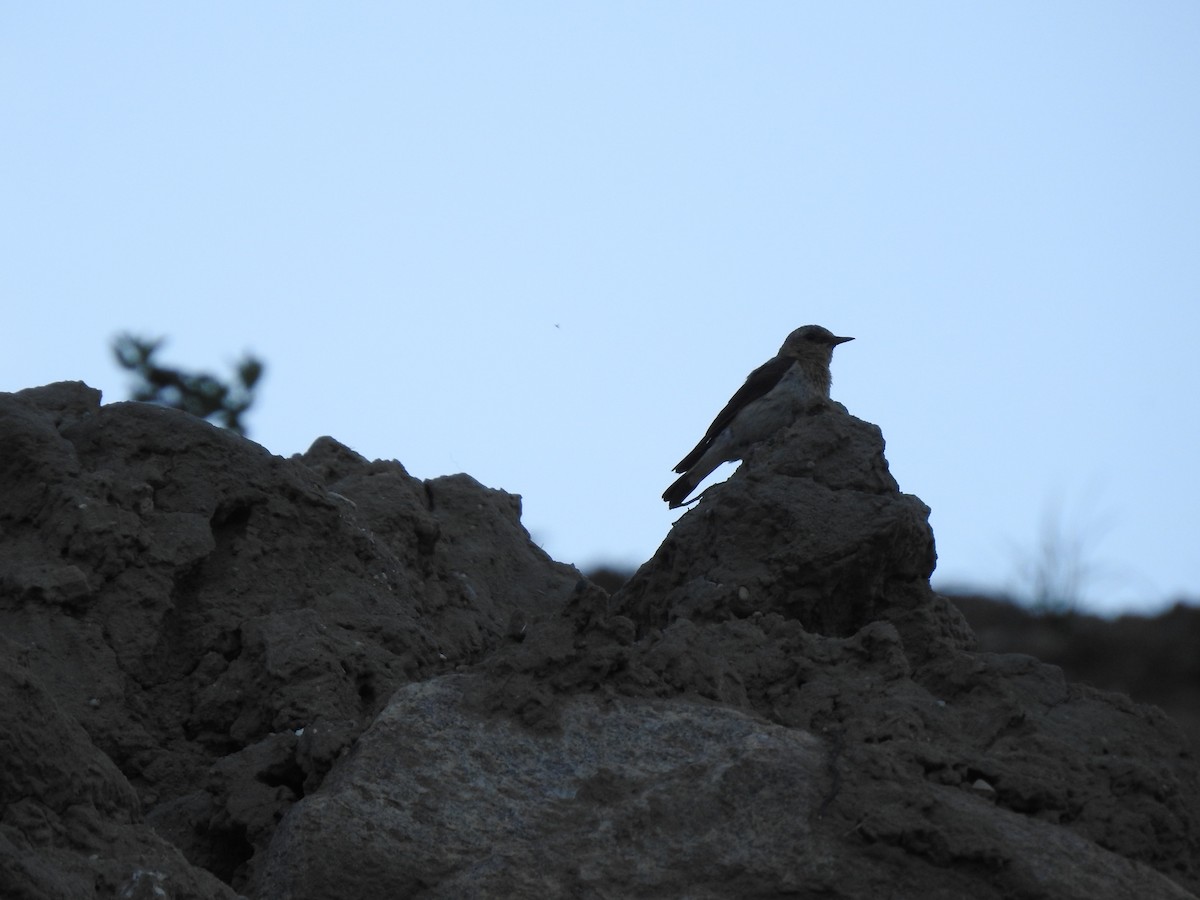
(776, 409)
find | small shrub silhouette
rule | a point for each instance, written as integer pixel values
(198, 393)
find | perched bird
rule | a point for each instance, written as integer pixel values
(795, 380)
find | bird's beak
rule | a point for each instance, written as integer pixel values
(841, 340)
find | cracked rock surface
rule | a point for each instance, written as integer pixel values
(226, 673)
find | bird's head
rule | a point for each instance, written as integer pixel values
(811, 342)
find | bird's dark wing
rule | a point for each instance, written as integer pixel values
(757, 383)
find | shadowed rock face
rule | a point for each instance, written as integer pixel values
(225, 672)
(814, 529)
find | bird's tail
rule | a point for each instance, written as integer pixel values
(679, 490)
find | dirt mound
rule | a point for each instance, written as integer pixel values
(227, 672)
(1154, 659)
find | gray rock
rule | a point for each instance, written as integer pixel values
(629, 797)
(651, 798)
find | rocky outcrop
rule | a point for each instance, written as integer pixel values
(222, 624)
(226, 672)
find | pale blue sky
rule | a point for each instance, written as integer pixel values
(543, 243)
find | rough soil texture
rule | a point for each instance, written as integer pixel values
(1154, 659)
(228, 673)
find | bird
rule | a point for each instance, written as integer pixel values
(786, 386)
